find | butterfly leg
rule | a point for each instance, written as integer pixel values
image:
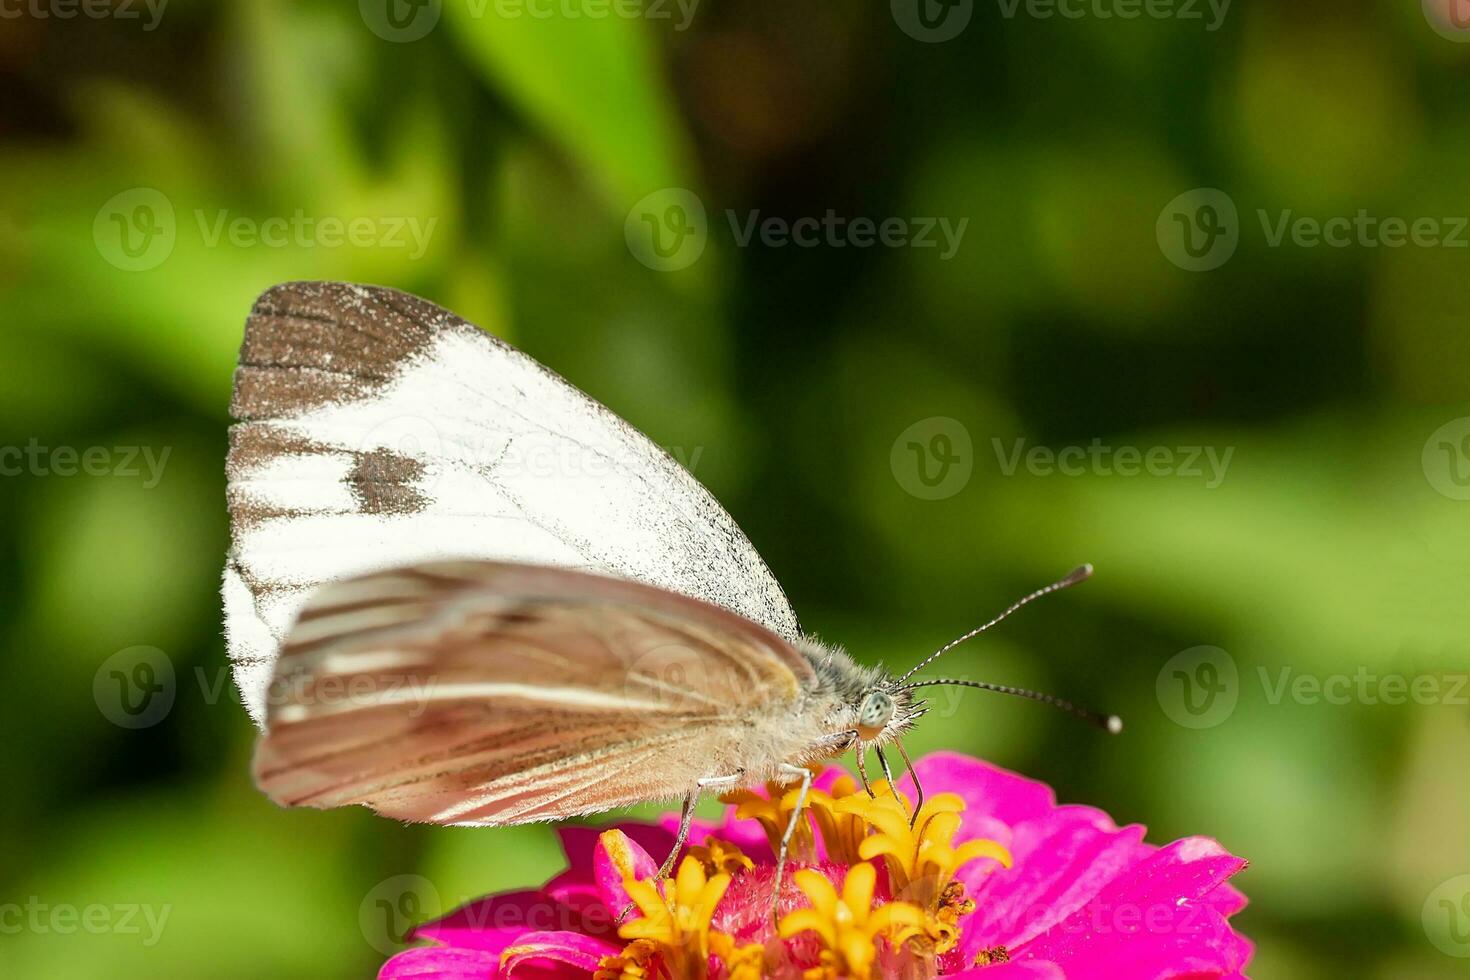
(805, 775)
(908, 766)
(686, 820)
(861, 754)
(888, 775)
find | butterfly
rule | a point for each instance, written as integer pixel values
(460, 591)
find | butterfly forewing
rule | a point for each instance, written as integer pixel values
(494, 693)
(377, 429)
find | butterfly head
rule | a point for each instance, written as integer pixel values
(885, 711)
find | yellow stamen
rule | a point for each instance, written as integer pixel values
(848, 925)
(842, 831)
(673, 938)
(637, 961)
(746, 962)
(676, 916)
(774, 813)
(921, 859)
(721, 856)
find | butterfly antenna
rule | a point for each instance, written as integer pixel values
(1111, 724)
(1076, 575)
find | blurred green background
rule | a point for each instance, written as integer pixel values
(802, 384)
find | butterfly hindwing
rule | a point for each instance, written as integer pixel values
(493, 693)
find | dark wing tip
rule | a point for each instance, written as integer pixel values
(310, 343)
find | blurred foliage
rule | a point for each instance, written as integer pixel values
(1326, 548)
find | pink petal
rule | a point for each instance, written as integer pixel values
(609, 877)
(1032, 970)
(1061, 861)
(583, 898)
(496, 921)
(744, 834)
(1227, 900)
(573, 954)
(442, 963)
(1152, 921)
(988, 791)
(579, 843)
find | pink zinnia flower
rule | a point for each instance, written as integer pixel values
(993, 881)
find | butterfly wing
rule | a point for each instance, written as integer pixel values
(487, 693)
(377, 429)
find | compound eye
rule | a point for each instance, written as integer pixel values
(874, 714)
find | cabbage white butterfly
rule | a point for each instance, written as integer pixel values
(429, 622)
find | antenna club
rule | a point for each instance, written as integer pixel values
(1114, 725)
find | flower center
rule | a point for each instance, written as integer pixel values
(883, 903)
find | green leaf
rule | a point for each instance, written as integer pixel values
(590, 83)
